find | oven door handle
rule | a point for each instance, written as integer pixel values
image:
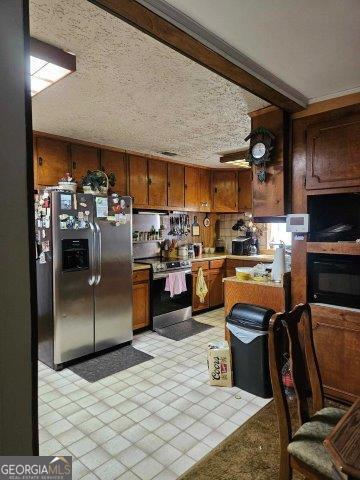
(158, 276)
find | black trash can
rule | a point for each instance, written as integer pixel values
(249, 348)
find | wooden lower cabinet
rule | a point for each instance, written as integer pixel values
(196, 304)
(337, 344)
(213, 279)
(216, 287)
(141, 299)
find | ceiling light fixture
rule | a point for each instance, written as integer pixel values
(238, 159)
(48, 65)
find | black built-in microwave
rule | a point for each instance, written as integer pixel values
(334, 279)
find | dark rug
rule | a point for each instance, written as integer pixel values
(102, 366)
(250, 453)
(182, 330)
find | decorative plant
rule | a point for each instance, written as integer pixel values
(97, 179)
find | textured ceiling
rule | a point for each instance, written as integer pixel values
(133, 92)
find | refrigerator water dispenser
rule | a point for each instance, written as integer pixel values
(75, 255)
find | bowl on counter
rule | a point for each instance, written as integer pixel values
(243, 273)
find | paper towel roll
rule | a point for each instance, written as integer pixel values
(278, 267)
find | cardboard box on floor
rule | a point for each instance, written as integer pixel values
(219, 364)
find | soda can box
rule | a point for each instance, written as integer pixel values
(219, 364)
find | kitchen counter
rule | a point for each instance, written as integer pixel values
(140, 266)
(219, 256)
(269, 283)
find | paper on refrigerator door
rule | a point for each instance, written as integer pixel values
(101, 207)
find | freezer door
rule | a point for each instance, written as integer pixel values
(73, 277)
(113, 284)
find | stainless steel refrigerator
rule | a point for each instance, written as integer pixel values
(84, 274)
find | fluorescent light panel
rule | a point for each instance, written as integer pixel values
(48, 65)
(45, 75)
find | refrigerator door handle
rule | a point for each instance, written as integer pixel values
(98, 243)
(91, 280)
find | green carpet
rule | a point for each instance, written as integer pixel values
(250, 453)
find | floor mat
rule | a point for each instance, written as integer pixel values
(96, 368)
(182, 330)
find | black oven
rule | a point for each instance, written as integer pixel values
(334, 280)
(168, 310)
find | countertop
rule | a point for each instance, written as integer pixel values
(140, 266)
(283, 284)
(254, 282)
(217, 256)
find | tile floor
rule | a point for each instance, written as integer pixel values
(152, 421)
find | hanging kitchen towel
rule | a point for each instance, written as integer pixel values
(175, 283)
(201, 287)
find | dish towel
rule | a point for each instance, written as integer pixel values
(175, 283)
(201, 287)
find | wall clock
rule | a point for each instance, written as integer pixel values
(262, 143)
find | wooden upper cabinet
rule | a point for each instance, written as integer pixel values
(52, 160)
(245, 190)
(192, 190)
(83, 158)
(270, 198)
(157, 182)
(333, 153)
(176, 185)
(205, 190)
(115, 162)
(139, 180)
(225, 190)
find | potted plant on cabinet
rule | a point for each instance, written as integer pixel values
(97, 182)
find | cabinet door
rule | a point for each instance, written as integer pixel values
(337, 345)
(205, 190)
(83, 158)
(333, 154)
(196, 304)
(216, 287)
(157, 183)
(139, 180)
(176, 185)
(245, 191)
(115, 162)
(225, 189)
(140, 305)
(192, 184)
(52, 158)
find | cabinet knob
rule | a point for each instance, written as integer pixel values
(40, 161)
(74, 165)
(149, 181)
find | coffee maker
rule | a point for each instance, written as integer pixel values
(241, 246)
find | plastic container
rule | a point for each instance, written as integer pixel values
(248, 326)
(243, 273)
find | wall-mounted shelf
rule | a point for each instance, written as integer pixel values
(335, 248)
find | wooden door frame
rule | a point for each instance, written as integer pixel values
(146, 20)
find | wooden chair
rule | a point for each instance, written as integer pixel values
(304, 451)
